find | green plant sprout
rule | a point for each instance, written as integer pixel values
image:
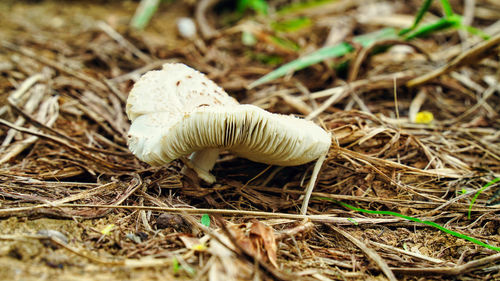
(292, 24)
(147, 8)
(325, 53)
(205, 220)
(175, 265)
(259, 6)
(495, 180)
(144, 13)
(429, 223)
(450, 20)
(298, 6)
(353, 221)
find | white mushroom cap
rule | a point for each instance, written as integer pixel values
(178, 111)
(175, 90)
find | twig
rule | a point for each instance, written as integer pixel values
(397, 202)
(312, 183)
(368, 251)
(388, 163)
(25, 86)
(34, 100)
(416, 255)
(207, 31)
(54, 64)
(338, 93)
(134, 75)
(123, 42)
(119, 94)
(470, 57)
(63, 136)
(315, 218)
(65, 143)
(416, 104)
(481, 102)
(457, 270)
(354, 70)
(49, 112)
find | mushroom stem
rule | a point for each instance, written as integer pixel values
(312, 183)
(203, 161)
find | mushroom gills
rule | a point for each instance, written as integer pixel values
(249, 132)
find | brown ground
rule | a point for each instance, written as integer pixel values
(81, 75)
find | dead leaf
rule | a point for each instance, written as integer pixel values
(262, 236)
(193, 243)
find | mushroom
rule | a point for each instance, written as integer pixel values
(178, 111)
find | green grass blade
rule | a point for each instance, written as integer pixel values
(420, 14)
(495, 180)
(144, 13)
(325, 53)
(285, 43)
(429, 223)
(301, 6)
(448, 12)
(259, 6)
(443, 23)
(303, 62)
(475, 31)
(292, 24)
(175, 265)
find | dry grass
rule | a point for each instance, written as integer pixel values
(65, 165)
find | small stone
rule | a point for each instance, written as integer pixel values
(186, 28)
(170, 220)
